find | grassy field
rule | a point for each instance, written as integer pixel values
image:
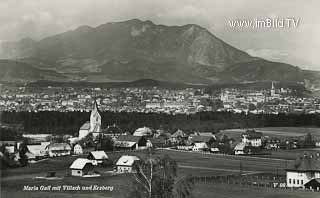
(236, 191)
(275, 132)
(195, 164)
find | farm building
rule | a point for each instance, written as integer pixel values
(178, 137)
(98, 157)
(144, 131)
(38, 151)
(129, 142)
(200, 146)
(77, 149)
(305, 168)
(125, 164)
(252, 138)
(58, 149)
(81, 167)
(241, 149)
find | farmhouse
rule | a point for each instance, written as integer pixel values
(97, 157)
(126, 163)
(200, 146)
(252, 138)
(129, 142)
(144, 131)
(81, 166)
(241, 149)
(178, 137)
(58, 149)
(305, 168)
(38, 151)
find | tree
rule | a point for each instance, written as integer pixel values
(157, 177)
(106, 143)
(22, 153)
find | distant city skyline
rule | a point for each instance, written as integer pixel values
(297, 46)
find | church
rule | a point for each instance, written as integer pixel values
(94, 125)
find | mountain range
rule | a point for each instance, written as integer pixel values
(135, 49)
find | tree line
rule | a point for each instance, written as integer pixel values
(70, 122)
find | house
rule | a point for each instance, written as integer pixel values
(58, 149)
(178, 137)
(316, 140)
(126, 164)
(305, 168)
(144, 131)
(38, 151)
(81, 167)
(200, 146)
(241, 149)
(201, 139)
(313, 184)
(129, 142)
(113, 131)
(98, 157)
(158, 142)
(252, 138)
(77, 149)
(273, 144)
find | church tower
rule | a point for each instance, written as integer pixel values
(273, 90)
(95, 119)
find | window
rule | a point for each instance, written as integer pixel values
(289, 181)
(294, 181)
(301, 181)
(297, 181)
(79, 172)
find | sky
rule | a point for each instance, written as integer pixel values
(299, 46)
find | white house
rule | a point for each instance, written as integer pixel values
(305, 168)
(199, 146)
(240, 148)
(77, 149)
(58, 149)
(125, 164)
(144, 131)
(81, 167)
(252, 138)
(98, 157)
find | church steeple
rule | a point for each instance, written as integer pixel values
(95, 119)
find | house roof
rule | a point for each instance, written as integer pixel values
(37, 150)
(144, 131)
(198, 138)
(129, 138)
(240, 146)
(85, 126)
(126, 160)
(99, 155)
(159, 140)
(124, 144)
(201, 145)
(80, 163)
(179, 133)
(58, 146)
(252, 134)
(307, 162)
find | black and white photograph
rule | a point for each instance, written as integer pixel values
(159, 98)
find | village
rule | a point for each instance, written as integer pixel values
(92, 149)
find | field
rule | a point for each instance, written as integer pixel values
(280, 132)
(196, 164)
(229, 191)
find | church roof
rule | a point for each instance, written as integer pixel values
(85, 126)
(308, 162)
